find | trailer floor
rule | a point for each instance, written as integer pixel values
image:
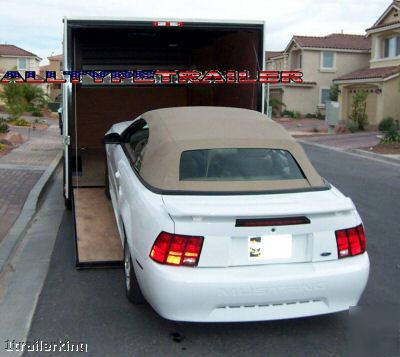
(97, 234)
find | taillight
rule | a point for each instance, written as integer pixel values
(176, 249)
(350, 241)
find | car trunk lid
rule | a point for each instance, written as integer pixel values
(295, 227)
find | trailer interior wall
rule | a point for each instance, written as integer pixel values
(96, 107)
(92, 109)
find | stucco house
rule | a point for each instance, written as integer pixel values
(16, 58)
(55, 64)
(381, 78)
(321, 59)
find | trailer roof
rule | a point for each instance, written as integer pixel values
(173, 131)
(191, 20)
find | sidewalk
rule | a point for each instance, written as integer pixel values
(22, 168)
(357, 143)
(346, 141)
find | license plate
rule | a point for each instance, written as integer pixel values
(278, 246)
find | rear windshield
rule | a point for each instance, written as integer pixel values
(255, 164)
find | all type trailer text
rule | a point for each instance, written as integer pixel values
(158, 77)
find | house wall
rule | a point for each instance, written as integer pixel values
(391, 17)
(378, 48)
(10, 63)
(302, 99)
(391, 96)
(276, 64)
(374, 108)
(307, 100)
(54, 89)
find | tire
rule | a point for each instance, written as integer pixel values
(68, 203)
(107, 182)
(132, 288)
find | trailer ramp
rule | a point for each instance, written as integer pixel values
(97, 239)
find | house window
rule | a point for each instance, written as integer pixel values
(300, 60)
(324, 96)
(392, 47)
(22, 63)
(328, 60)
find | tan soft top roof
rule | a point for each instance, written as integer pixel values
(174, 130)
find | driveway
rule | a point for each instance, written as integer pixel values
(89, 306)
(22, 168)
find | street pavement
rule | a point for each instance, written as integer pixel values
(22, 168)
(90, 306)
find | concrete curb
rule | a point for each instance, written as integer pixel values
(10, 242)
(375, 156)
(355, 152)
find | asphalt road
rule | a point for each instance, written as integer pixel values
(90, 306)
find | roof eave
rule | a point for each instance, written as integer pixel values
(366, 80)
(373, 29)
(336, 49)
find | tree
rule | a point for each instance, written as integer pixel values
(276, 105)
(14, 99)
(35, 97)
(359, 106)
(22, 97)
(334, 93)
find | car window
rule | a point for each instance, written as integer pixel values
(239, 164)
(136, 141)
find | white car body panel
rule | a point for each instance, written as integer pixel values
(226, 285)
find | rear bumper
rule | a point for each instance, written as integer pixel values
(254, 293)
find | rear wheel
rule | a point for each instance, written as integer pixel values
(132, 288)
(107, 182)
(68, 204)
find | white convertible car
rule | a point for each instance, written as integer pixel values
(223, 218)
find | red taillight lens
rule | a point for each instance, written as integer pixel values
(350, 241)
(175, 249)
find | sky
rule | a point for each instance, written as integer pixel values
(37, 27)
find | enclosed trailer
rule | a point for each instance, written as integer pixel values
(89, 109)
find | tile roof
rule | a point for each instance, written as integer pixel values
(55, 58)
(44, 68)
(272, 54)
(11, 50)
(367, 73)
(335, 40)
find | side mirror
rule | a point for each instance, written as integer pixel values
(112, 138)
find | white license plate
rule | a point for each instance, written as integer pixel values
(277, 246)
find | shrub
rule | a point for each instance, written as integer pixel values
(387, 124)
(37, 113)
(310, 116)
(351, 126)
(391, 136)
(358, 113)
(4, 127)
(289, 113)
(297, 115)
(2, 146)
(319, 115)
(34, 96)
(20, 122)
(21, 97)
